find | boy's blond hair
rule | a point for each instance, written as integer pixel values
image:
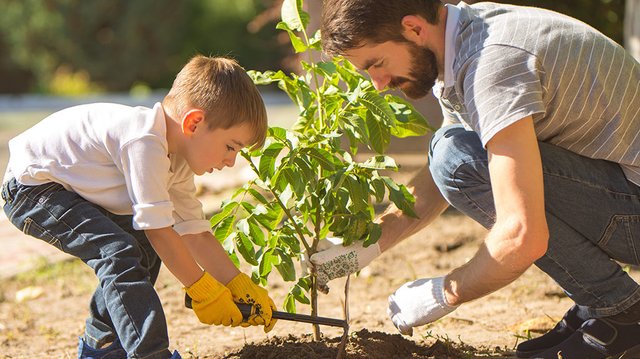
(222, 89)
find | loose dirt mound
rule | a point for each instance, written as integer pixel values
(363, 344)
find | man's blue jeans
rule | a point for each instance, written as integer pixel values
(125, 306)
(592, 210)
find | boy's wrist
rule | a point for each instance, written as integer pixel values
(204, 288)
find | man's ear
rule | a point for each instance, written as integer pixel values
(414, 28)
(191, 120)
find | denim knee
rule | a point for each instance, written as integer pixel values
(459, 166)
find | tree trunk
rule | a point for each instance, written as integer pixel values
(632, 28)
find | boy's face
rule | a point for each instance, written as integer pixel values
(208, 149)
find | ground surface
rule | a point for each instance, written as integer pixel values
(48, 326)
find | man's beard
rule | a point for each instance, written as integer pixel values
(423, 71)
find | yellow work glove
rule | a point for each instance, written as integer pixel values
(245, 291)
(212, 302)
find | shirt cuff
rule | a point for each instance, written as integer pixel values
(152, 216)
(192, 227)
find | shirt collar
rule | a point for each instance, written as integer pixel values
(451, 32)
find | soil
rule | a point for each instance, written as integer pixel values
(42, 311)
(361, 345)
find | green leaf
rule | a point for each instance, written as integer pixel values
(226, 210)
(298, 293)
(224, 228)
(256, 233)
(409, 122)
(358, 192)
(289, 303)
(400, 196)
(374, 234)
(379, 106)
(293, 15)
(268, 160)
(296, 42)
(278, 133)
(245, 247)
(380, 163)
(379, 137)
(324, 158)
(379, 188)
(266, 263)
(285, 267)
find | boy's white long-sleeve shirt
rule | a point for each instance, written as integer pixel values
(116, 157)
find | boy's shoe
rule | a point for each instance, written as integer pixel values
(176, 355)
(598, 339)
(113, 351)
(570, 322)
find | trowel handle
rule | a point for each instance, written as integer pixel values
(245, 309)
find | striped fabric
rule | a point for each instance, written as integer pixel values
(582, 89)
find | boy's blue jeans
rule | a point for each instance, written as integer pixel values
(592, 210)
(125, 306)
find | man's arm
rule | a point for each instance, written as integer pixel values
(520, 234)
(428, 206)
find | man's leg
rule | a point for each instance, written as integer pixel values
(592, 211)
(593, 214)
(84, 230)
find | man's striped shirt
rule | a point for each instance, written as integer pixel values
(581, 88)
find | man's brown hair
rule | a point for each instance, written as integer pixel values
(347, 24)
(222, 89)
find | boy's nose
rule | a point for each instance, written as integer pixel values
(231, 160)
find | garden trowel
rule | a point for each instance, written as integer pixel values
(245, 309)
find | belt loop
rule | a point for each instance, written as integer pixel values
(5, 192)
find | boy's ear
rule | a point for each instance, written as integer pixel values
(191, 120)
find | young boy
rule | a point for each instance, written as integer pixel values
(113, 185)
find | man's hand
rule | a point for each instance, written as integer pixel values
(212, 302)
(418, 303)
(339, 261)
(245, 291)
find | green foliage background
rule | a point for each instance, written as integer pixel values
(121, 42)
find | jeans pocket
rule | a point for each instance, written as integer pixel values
(621, 239)
(33, 229)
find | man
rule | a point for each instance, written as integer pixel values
(540, 144)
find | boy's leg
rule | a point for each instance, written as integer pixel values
(593, 214)
(99, 326)
(82, 229)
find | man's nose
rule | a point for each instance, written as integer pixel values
(380, 79)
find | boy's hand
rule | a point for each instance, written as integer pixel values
(212, 302)
(245, 291)
(418, 303)
(333, 260)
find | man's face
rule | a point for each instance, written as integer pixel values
(402, 65)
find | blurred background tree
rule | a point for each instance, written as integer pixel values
(78, 46)
(115, 44)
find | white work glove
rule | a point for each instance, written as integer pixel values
(418, 303)
(333, 260)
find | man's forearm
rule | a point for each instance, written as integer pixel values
(429, 205)
(502, 258)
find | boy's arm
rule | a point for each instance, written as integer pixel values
(209, 253)
(171, 248)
